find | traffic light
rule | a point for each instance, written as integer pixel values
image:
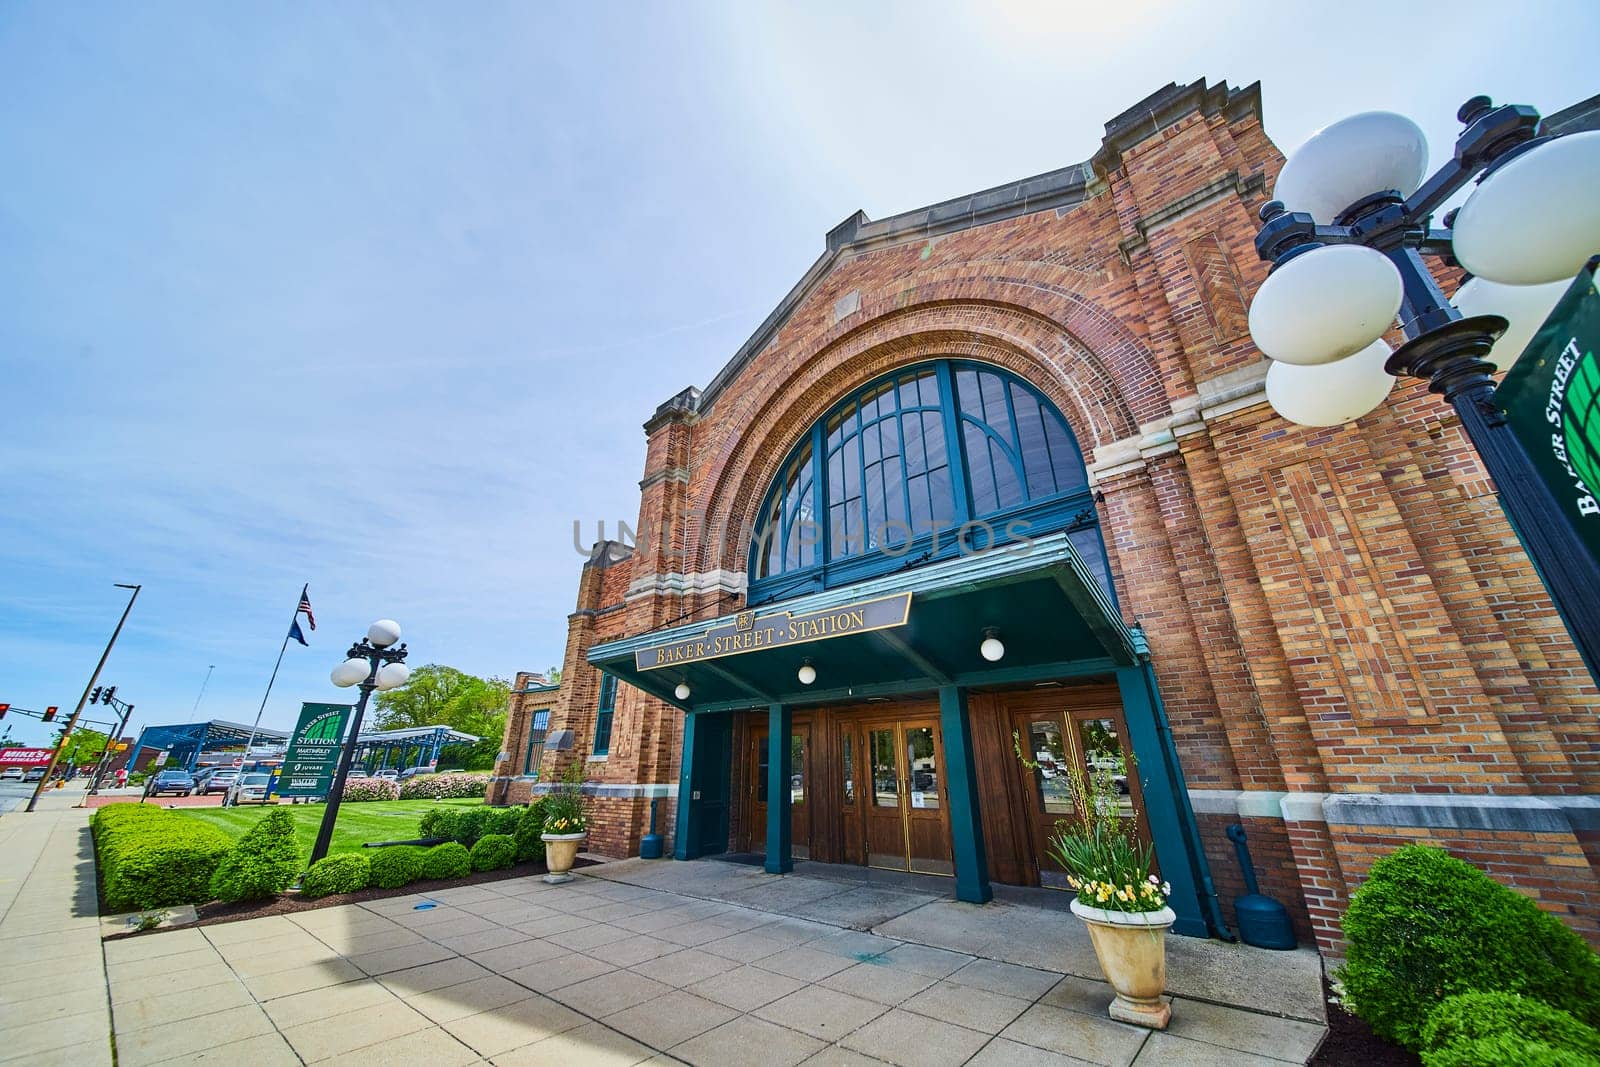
(3, 709)
(105, 698)
(94, 697)
(49, 714)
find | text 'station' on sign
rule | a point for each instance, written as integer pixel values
(313, 754)
(1551, 400)
(749, 632)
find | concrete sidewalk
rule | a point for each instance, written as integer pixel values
(606, 972)
(631, 962)
(53, 999)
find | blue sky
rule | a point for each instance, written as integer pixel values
(376, 296)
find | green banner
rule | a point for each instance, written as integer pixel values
(313, 755)
(1551, 398)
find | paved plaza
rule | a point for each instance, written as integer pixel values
(704, 963)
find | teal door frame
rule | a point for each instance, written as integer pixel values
(780, 723)
(703, 766)
(1166, 807)
(961, 778)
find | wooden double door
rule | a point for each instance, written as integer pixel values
(1057, 735)
(896, 800)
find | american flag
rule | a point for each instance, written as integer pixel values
(305, 606)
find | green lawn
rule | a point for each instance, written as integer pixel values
(373, 820)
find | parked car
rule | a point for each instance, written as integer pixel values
(218, 780)
(33, 774)
(248, 788)
(389, 774)
(11, 774)
(356, 772)
(177, 782)
(412, 772)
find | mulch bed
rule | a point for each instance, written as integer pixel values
(289, 903)
(1350, 1041)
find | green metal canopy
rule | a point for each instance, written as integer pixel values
(1040, 598)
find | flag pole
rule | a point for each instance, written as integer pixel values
(281, 649)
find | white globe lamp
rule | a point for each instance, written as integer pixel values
(1351, 159)
(383, 633)
(1525, 307)
(1334, 393)
(682, 691)
(1535, 218)
(807, 673)
(351, 672)
(393, 676)
(992, 649)
(1325, 304)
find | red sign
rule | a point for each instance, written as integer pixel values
(25, 755)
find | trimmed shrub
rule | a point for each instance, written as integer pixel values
(1457, 1029)
(361, 789)
(1505, 1050)
(152, 857)
(262, 864)
(445, 786)
(530, 845)
(494, 851)
(344, 873)
(449, 860)
(1426, 926)
(397, 865)
(467, 825)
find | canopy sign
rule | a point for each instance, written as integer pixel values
(25, 756)
(313, 754)
(1551, 399)
(749, 632)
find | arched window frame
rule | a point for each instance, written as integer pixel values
(1068, 509)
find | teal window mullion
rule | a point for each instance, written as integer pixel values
(955, 453)
(1016, 439)
(819, 495)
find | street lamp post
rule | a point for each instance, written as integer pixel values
(84, 699)
(1346, 234)
(374, 662)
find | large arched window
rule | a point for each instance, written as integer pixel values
(922, 464)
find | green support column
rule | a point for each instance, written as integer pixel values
(780, 724)
(961, 780)
(1166, 806)
(683, 835)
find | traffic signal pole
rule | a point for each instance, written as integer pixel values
(111, 751)
(55, 753)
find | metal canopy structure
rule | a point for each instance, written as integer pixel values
(1041, 597)
(187, 742)
(374, 748)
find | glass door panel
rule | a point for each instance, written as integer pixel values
(928, 848)
(799, 810)
(886, 831)
(1100, 741)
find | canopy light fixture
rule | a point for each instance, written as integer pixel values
(682, 692)
(992, 649)
(807, 673)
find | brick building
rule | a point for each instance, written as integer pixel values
(998, 477)
(533, 697)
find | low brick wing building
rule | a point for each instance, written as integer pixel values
(993, 492)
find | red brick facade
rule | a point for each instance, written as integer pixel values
(1330, 612)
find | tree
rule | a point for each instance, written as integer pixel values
(84, 746)
(553, 675)
(443, 696)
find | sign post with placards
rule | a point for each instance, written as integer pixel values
(313, 755)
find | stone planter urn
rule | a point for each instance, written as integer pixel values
(1132, 950)
(560, 850)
